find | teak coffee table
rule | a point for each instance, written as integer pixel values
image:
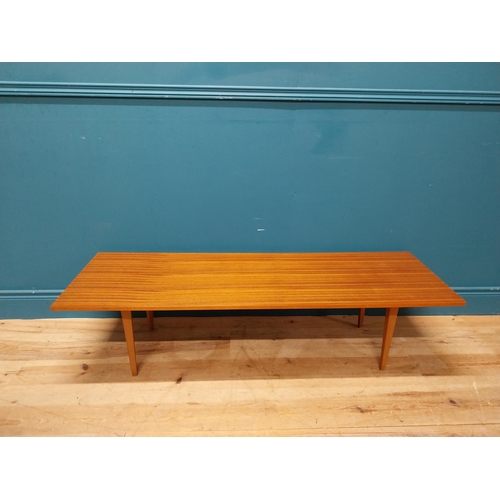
(150, 282)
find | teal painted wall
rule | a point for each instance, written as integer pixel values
(82, 174)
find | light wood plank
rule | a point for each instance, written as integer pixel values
(251, 376)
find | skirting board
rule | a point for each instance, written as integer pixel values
(32, 304)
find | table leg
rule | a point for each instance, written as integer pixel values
(391, 314)
(129, 337)
(151, 322)
(361, 317)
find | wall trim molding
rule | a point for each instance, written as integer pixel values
(477, 290)
(53, 294)
(31, 304)
(246, 93)
(29, 294)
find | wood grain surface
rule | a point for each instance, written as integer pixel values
(242, 281)
(251, 376)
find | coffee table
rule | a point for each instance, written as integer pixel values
(144, 281)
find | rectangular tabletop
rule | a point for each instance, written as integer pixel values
(232, 281)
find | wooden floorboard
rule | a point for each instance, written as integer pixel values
(251, 376)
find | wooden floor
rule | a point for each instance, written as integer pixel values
(251, 376)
